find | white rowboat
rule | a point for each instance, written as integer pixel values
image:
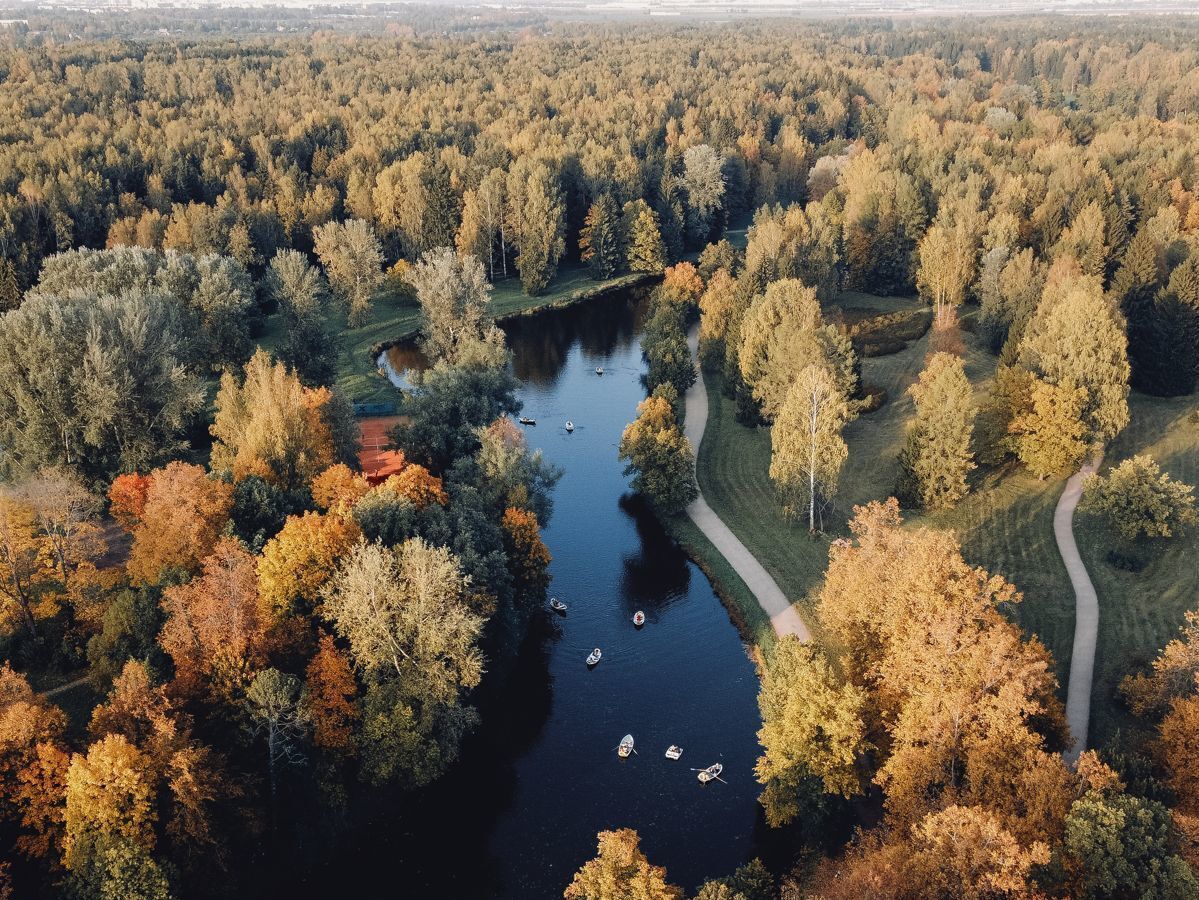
(625, 747)
(557, 605)
(673, 752)
(570, 426)
(712, 773)
(639, 618)
(595, 656)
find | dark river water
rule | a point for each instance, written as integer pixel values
(520, 812)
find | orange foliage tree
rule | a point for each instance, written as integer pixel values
(214, 632)
(962, 708)
(127, 499)
(32, 765)
(183, 774)
(25, 561)
(332, 697)
(184, 515)
(682, 283)
(417, 485)
(528, 557)
(338, 488)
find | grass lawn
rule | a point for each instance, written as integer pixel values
(393, 318)
(1140, 611)
(1005, 525)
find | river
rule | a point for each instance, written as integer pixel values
(519, 813)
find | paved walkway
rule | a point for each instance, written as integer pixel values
(770, 596)
(1086, 611)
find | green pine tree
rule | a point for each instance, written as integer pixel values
(599, 239)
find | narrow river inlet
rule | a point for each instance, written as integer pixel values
(520, 811)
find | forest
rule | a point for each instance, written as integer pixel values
(222, 640)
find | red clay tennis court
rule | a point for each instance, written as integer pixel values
(376, 462)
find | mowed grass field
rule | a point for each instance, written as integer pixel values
(1005, 525)
(1140, 611)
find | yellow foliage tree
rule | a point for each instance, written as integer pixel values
(268, 424)
(298, 561)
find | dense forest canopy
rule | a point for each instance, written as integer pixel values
(273, 636)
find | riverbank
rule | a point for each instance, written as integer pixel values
(396, 318)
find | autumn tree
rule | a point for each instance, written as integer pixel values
(455, 297)
(1138, 499)
(331, 698)
(1076, 338)
(353, 262)
(109, 809)
(973, 725)
(33, 765)
(600, 241)
(946, 267)
(24, 561)
(782, 334)
(338, 488)
(528, 557)
(1048, 434)
(620, 871)
(297, 562)
(1177, 747)
(66, 515)
(215, 632)
(184, 515)
(268, 424)
(716, 306)
(417, 485)
(937, 457)
(127, 499)
(644, 250)
(537, 213)
(806, 447)
(658, 455)
(415, 203)
(483, 232)
(184, 774)
(812, 728)
(966, 852)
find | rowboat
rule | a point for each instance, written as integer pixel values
(625, 748)
(594, 657)
(674, 752)
(525, 420)
(570, 426)
(599, 370)
(639, 618)
(557, 605)
(712, 773)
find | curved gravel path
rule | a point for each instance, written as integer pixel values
(1086, 611)
(770, 596)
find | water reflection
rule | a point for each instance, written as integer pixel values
(519, 813)
(601, 328)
